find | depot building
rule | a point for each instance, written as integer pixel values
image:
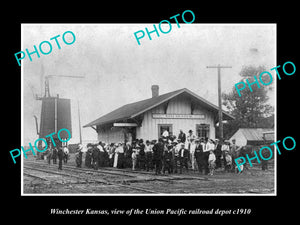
(147, 119)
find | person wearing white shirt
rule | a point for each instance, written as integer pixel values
(189, 139)
(117, 151)
(192, 154)
(211, 162)
(100, 148)
(208, 146)
(177, 148)
(134, 156)
(119, 156)
(165, 134)
(183, 158)
(66, 154)
(111, 154)
(66, 150)
(225, 146)
(225, 149)
(203, 143)
(148, 155)
(211, 157)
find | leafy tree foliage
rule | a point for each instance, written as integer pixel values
(251, 109)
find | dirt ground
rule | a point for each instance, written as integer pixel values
(124, 181)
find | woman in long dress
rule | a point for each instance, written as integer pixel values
(116, 157)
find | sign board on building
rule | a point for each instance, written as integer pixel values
(125, 125)
(177, 116)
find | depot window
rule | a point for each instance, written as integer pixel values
(202, 130)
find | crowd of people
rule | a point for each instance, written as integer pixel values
(167, 154)
(60, 153)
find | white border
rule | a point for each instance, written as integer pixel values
(162, 194)
(22, 114)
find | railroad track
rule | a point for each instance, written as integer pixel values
(171, 177)
(121, 174)
(57, 174)
(128, 173)
(34, 176)
(80, 177)
(80, 170)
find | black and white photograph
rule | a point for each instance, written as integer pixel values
(149, 112)
(131, 109)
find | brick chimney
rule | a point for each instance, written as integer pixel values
(155, 90)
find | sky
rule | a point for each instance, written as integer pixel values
(118, 71)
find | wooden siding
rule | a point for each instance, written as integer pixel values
(178, 105)
(111, 135)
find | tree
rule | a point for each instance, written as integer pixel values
(250, 110)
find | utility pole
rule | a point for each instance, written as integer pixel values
(219, 67)
(80, 137)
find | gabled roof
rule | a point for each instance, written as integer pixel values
(135, 109)
(255, 134)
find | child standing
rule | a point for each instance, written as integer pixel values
(239, 171)
(228, 161)
(211, 162)
(134, 158)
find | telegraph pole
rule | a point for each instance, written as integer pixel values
(80, 137)
(219, 67)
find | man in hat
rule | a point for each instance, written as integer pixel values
(192, 154)
(175, 157)
(209, 146)
(199, 156)
(111, 154)
(177, 148)
(103, 155)
(60, 155)
(167, 159)
(234, 151)
(190, 138)
(183, 155)
(218, 153)
(158, 150)
(148, 155)
(88, 156)
(54, 155)
(182, 136)
(95, 157)
(142, 155)
(48, 154)
(129, 146)
(78, 156)
(224, 149)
